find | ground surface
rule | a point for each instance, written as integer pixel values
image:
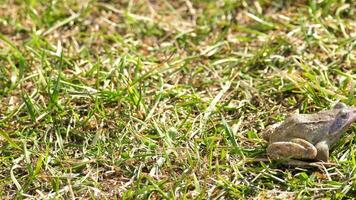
(167, 99)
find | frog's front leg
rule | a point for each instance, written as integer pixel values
(296, 148)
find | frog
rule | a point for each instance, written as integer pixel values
(309, 136)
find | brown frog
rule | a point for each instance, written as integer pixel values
(309, 136)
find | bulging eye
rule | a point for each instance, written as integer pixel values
(340, 105)
(343, 114)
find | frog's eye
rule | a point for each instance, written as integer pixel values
(340, 105)
(343, 114)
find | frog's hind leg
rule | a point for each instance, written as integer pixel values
(296, 148)
(323, 151)
(269, 130)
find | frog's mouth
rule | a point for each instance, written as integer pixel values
(343, 121)
(351, 119)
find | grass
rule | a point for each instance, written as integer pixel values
(167, 99)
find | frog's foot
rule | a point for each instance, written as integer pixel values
(295, 148)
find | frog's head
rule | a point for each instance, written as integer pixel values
(344, 117)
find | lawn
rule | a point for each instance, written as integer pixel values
(163, 99)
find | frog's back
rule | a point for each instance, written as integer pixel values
(310, 127)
